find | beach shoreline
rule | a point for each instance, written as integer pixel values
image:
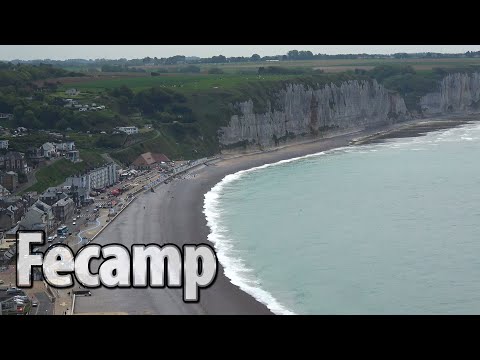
(230, 164)
(174, 214)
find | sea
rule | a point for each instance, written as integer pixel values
(386, 228)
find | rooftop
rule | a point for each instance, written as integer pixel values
(149, 159)
(63, 202)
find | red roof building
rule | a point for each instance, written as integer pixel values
(149, 159)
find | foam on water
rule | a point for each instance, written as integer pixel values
(235, 268)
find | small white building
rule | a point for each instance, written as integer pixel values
(65, 146)
(49, 150)
(3, 144)
(128, 129)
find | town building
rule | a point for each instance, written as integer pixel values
(38, 217)
(73, 155)
(49, 150)
(36, 155)
(14, 161)
(9, 180)
(65, 146)
(148, 160)
(79, 181)
(52, 195)
(63, 209)
(7, 218)
(3, 191)
(11, 213)
(103, 177)
(81, 185)
(128, 129)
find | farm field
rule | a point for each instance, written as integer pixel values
(239, 73)
(331, 65)
(180, 81)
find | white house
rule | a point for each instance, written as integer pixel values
(65, 146)
(128, 129)
(3, 144)
(49, 150)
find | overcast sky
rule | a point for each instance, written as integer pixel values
(28, 52)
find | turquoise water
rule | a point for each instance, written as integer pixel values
(391, 228)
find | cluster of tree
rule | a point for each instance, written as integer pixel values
(111, 141)
(299, 55)
(382, 72)
(165, 105)
(34, 116)
(22, 74)
(181, 59)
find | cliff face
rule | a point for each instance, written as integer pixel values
(301, 110)
(458, 93)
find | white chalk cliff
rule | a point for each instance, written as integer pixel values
(457, 93)
(302, 110)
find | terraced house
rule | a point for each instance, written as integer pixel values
(63, 209)
(14, 161)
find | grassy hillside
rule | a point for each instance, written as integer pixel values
(55, 174)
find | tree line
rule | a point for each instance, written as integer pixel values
(292, 55)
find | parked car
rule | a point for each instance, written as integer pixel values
(74, 222)
(50, 238)
(15, 291)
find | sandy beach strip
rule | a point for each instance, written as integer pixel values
(174, 214)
